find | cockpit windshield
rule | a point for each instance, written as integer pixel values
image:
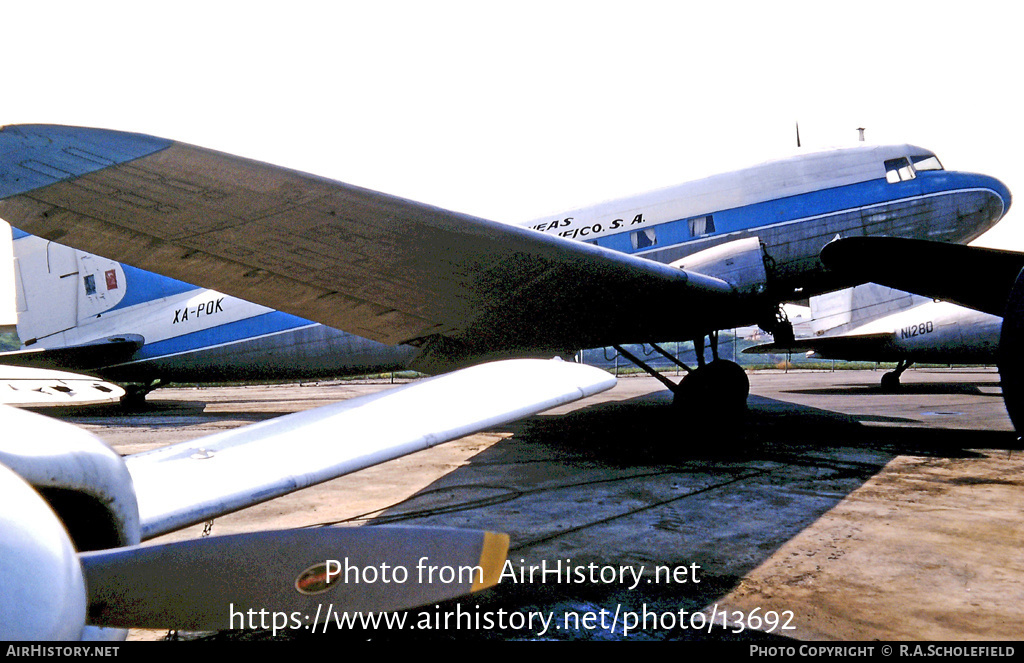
(926, 162)
(898, 170)
(904, 168)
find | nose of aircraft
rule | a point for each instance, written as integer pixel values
(996, 202)
(1003, 192)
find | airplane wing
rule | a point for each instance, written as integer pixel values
(392, 270)
(849, 347)
(943, 271)
(230, 470)
(99, 501)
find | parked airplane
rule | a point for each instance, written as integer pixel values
(447, 290)
(434, 290)
(877, 323)
(81, 312)
(987, 280)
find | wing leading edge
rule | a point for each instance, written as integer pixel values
(388, 269)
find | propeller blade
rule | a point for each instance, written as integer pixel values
(287, 578)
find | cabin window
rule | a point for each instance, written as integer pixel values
(898, 170)
(642, 239)
(90, 284)
(702, 225)
(926, 162)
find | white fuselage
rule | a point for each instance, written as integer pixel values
(941, 332)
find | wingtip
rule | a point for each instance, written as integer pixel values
(37, 155)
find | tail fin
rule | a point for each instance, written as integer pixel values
(839, 312)
(58, 288)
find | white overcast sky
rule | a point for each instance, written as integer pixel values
(513, 111)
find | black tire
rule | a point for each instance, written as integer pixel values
(891, 383)
(716, 389)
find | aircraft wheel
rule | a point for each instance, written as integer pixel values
(1011, 359)
(716, 389)
(891, 383)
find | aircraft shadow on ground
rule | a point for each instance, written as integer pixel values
(155, 412)
(640, 484)
(907, 388)
(636, 484)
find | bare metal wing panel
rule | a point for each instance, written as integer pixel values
(232, 470)
(375, 265)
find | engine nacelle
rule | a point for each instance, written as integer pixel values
(740, 263)
(64, 491)
(1011, 359)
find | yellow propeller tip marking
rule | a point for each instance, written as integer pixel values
(492, 559)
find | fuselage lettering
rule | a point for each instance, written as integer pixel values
(588, 230)
(557, 223)
(917, 330)
(206, 308)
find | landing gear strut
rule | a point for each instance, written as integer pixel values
(135, 394)
(891, 380)
(779, 326)
(719, 388)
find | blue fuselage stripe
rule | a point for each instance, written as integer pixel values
(142, 286)
(240, 330)
(802, 206)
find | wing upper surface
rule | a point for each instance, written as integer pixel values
(379, 266)
(235, 469)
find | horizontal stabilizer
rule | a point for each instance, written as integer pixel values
(943, 271)
(38, 387)
(238, 468)
(287, 579)
(101, 352)
(860, 347)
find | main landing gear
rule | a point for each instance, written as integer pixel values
(714, 389)
(135, 394)
(891, 380)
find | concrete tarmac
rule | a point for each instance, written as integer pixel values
(833, 512)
